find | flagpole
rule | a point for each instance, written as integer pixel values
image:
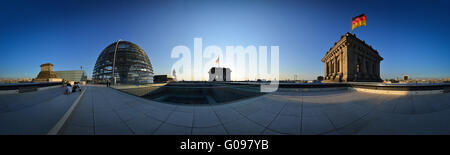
(218, 62)
(351, 25)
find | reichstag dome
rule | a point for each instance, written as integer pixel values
(131, 64)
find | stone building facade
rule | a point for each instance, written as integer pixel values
(46, 74)
(46, 71)
(351, 59)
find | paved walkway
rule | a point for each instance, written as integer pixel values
(33, 112)
(107, 111)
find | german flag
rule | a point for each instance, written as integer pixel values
(359, 21)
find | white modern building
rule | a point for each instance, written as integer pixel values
(72, 75)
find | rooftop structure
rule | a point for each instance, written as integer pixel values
(219, 74)
(46, 74)
(163, 78)
(132, 64)
(351, 59)
(46, 71)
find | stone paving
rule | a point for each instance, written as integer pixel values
(33, 112)
(287, 112)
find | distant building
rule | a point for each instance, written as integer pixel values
(313, 81)
(405, 77)
(162, 78)
(46, 74)
(391, 81)
(320, 78)
(351, 59)
(219, 74)
(73, 75)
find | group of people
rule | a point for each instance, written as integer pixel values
(108, 83)
(70, 89)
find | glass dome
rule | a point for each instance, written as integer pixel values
(132, 64)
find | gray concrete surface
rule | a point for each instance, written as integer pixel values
(33, 112)
(107, 111)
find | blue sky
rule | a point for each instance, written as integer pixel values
(412, 36)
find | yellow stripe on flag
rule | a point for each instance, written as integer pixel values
(359, 21)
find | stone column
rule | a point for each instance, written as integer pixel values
(342, 64)
(335, 65)
(377, 66)
(326, 69)
(332, 67)
(372, 66)
(330, 70)
(365, 68)
(372, 75)
(363, 65)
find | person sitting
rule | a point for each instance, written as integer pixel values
(78, 86)
(75, 87)
(68, 89)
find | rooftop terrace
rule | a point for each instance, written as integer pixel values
(292, 111)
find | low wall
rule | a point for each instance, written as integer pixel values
(397, 92)
(311, 89)
(369, 87)
(27, 87)
(408, 89)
